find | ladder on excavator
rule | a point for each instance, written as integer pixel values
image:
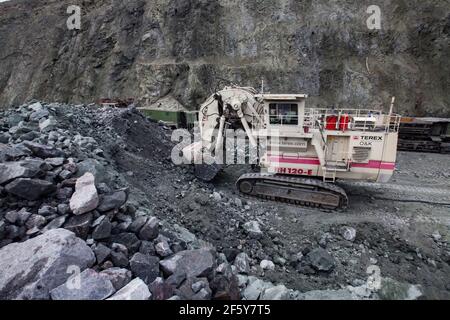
(329, 167)
(328, 175)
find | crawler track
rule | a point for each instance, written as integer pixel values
(294, 190)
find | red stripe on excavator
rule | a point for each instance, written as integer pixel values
(373, 164)
(313, 161)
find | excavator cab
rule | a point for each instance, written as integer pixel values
(283, 110)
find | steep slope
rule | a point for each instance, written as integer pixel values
(180, 50)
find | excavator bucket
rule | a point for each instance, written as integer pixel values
(207, 172)
(205, 168)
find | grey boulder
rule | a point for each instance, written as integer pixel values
(254, 290)
(43, 151)
(333, 295)
(88, 285)
(321, 260)
(391, 289)
(112, 201)
(36, 106)
(242, 263)
(102, 230)
(348, 233)
(163, 249)
(279, 292)
(30, 189)
(79, 225)
(150, 230)
(55, 162)
(20, 169)
(102, 252)
(85, 197)
(119, 277)
(145, 267)
(46, 125)
(55, 224)
(96, 168)
(30, 270)
(194, 263)
(135, 290)
(13, 153)
(253, 229)
(39, 114)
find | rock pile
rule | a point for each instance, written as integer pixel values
(68, 229)
(60, 212)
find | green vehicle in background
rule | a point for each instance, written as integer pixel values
(172, 119)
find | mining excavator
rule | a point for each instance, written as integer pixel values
(301, 152)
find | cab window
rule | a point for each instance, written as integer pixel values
(283, 113)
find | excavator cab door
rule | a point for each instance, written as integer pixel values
(337, 147)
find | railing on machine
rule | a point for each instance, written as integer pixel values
(343, 120)
(352, 119)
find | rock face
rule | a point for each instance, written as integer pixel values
(169, 52)
(30, 270)
(85, 198)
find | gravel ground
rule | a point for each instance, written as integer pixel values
(392, 228)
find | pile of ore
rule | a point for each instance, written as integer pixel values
(67, 232)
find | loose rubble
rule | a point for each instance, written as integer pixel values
(73, 205)
(66, 209)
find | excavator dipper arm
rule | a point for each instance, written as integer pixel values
(222, 107)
